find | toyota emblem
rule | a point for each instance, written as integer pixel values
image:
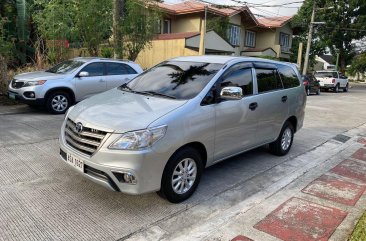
(78, 127)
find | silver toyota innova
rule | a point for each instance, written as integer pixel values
(159, 131)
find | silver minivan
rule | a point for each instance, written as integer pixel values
(159, 131)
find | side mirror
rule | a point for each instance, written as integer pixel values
(83, 74)
(231, 93)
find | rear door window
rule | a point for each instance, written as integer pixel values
(268, 80)
(119, 69)
(288, 76)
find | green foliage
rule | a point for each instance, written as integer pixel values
(88, 21)
(138, 27)
(218, 24)
(5, 44)
(106, 52)
(358, 64)
(337, 33)
(359, 233)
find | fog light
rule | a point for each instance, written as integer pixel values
(129, 178)
(29, 94)
(125, 177)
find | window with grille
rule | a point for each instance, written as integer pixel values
(249, 39)
(234, 35)
(285, 42)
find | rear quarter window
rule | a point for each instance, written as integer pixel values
(288, 76)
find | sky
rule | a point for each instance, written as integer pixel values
(287, 10)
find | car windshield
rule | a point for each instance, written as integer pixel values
(65, 67)
(174, 79)
(326, 74)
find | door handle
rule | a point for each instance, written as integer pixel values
(284, 98)
(253, 105)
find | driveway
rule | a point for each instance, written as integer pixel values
(43, 199)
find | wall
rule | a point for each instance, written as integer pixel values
(185, 23)
(161, 50)
(265, 38)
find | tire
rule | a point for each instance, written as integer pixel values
(345, 89)
(58, 102)
(336, 89)
(318, 92)
(183, 158)
(308, 92)
(282, 145)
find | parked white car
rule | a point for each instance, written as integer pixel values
(332, 80)
(71, 81)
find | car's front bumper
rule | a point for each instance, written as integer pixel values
(23, 95)
(104, 166)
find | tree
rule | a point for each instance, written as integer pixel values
(5, 53)
(358, 65)
(218, 24)
(138, 26)
(88, 21)
(340, 29)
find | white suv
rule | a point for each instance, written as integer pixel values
(332, 80)
(71, 81)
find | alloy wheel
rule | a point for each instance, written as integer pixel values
(59, 103)
(286, 139)
(184, 176)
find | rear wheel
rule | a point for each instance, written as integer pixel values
(336, 88)
(308, 91)
(58, 102)
(345, 89)
(318, 92)
(181, 175)
(282, 145)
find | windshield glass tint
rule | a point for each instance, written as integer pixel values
(326, 74)
(65, 67)
(181, 80)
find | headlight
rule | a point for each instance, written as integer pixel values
(136, 140)
(68, 111)
(34, 83)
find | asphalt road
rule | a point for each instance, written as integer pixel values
(44, 199)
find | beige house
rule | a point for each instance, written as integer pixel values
(180, 28)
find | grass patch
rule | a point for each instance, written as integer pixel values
(359, 233)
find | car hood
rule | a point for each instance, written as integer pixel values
(120, 111)
(38, 75)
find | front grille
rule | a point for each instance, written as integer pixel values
(87, 141)
(17, 84)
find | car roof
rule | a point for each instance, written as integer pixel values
(223, 59)
(89, 59)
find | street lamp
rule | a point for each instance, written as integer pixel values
(310, 37)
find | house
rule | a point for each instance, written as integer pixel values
(179, 33)
(324, 62)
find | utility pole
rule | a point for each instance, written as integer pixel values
(118, 6)
(299, 55)
(310, 36)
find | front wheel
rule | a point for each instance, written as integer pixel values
(181, 175)
(282, 145)
(58, 102)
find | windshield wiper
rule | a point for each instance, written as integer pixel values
(125, 86)
(150, 92)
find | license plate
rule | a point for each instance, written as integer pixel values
(12, 96)
(75, 162)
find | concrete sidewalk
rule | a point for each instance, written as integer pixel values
(320, 196)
